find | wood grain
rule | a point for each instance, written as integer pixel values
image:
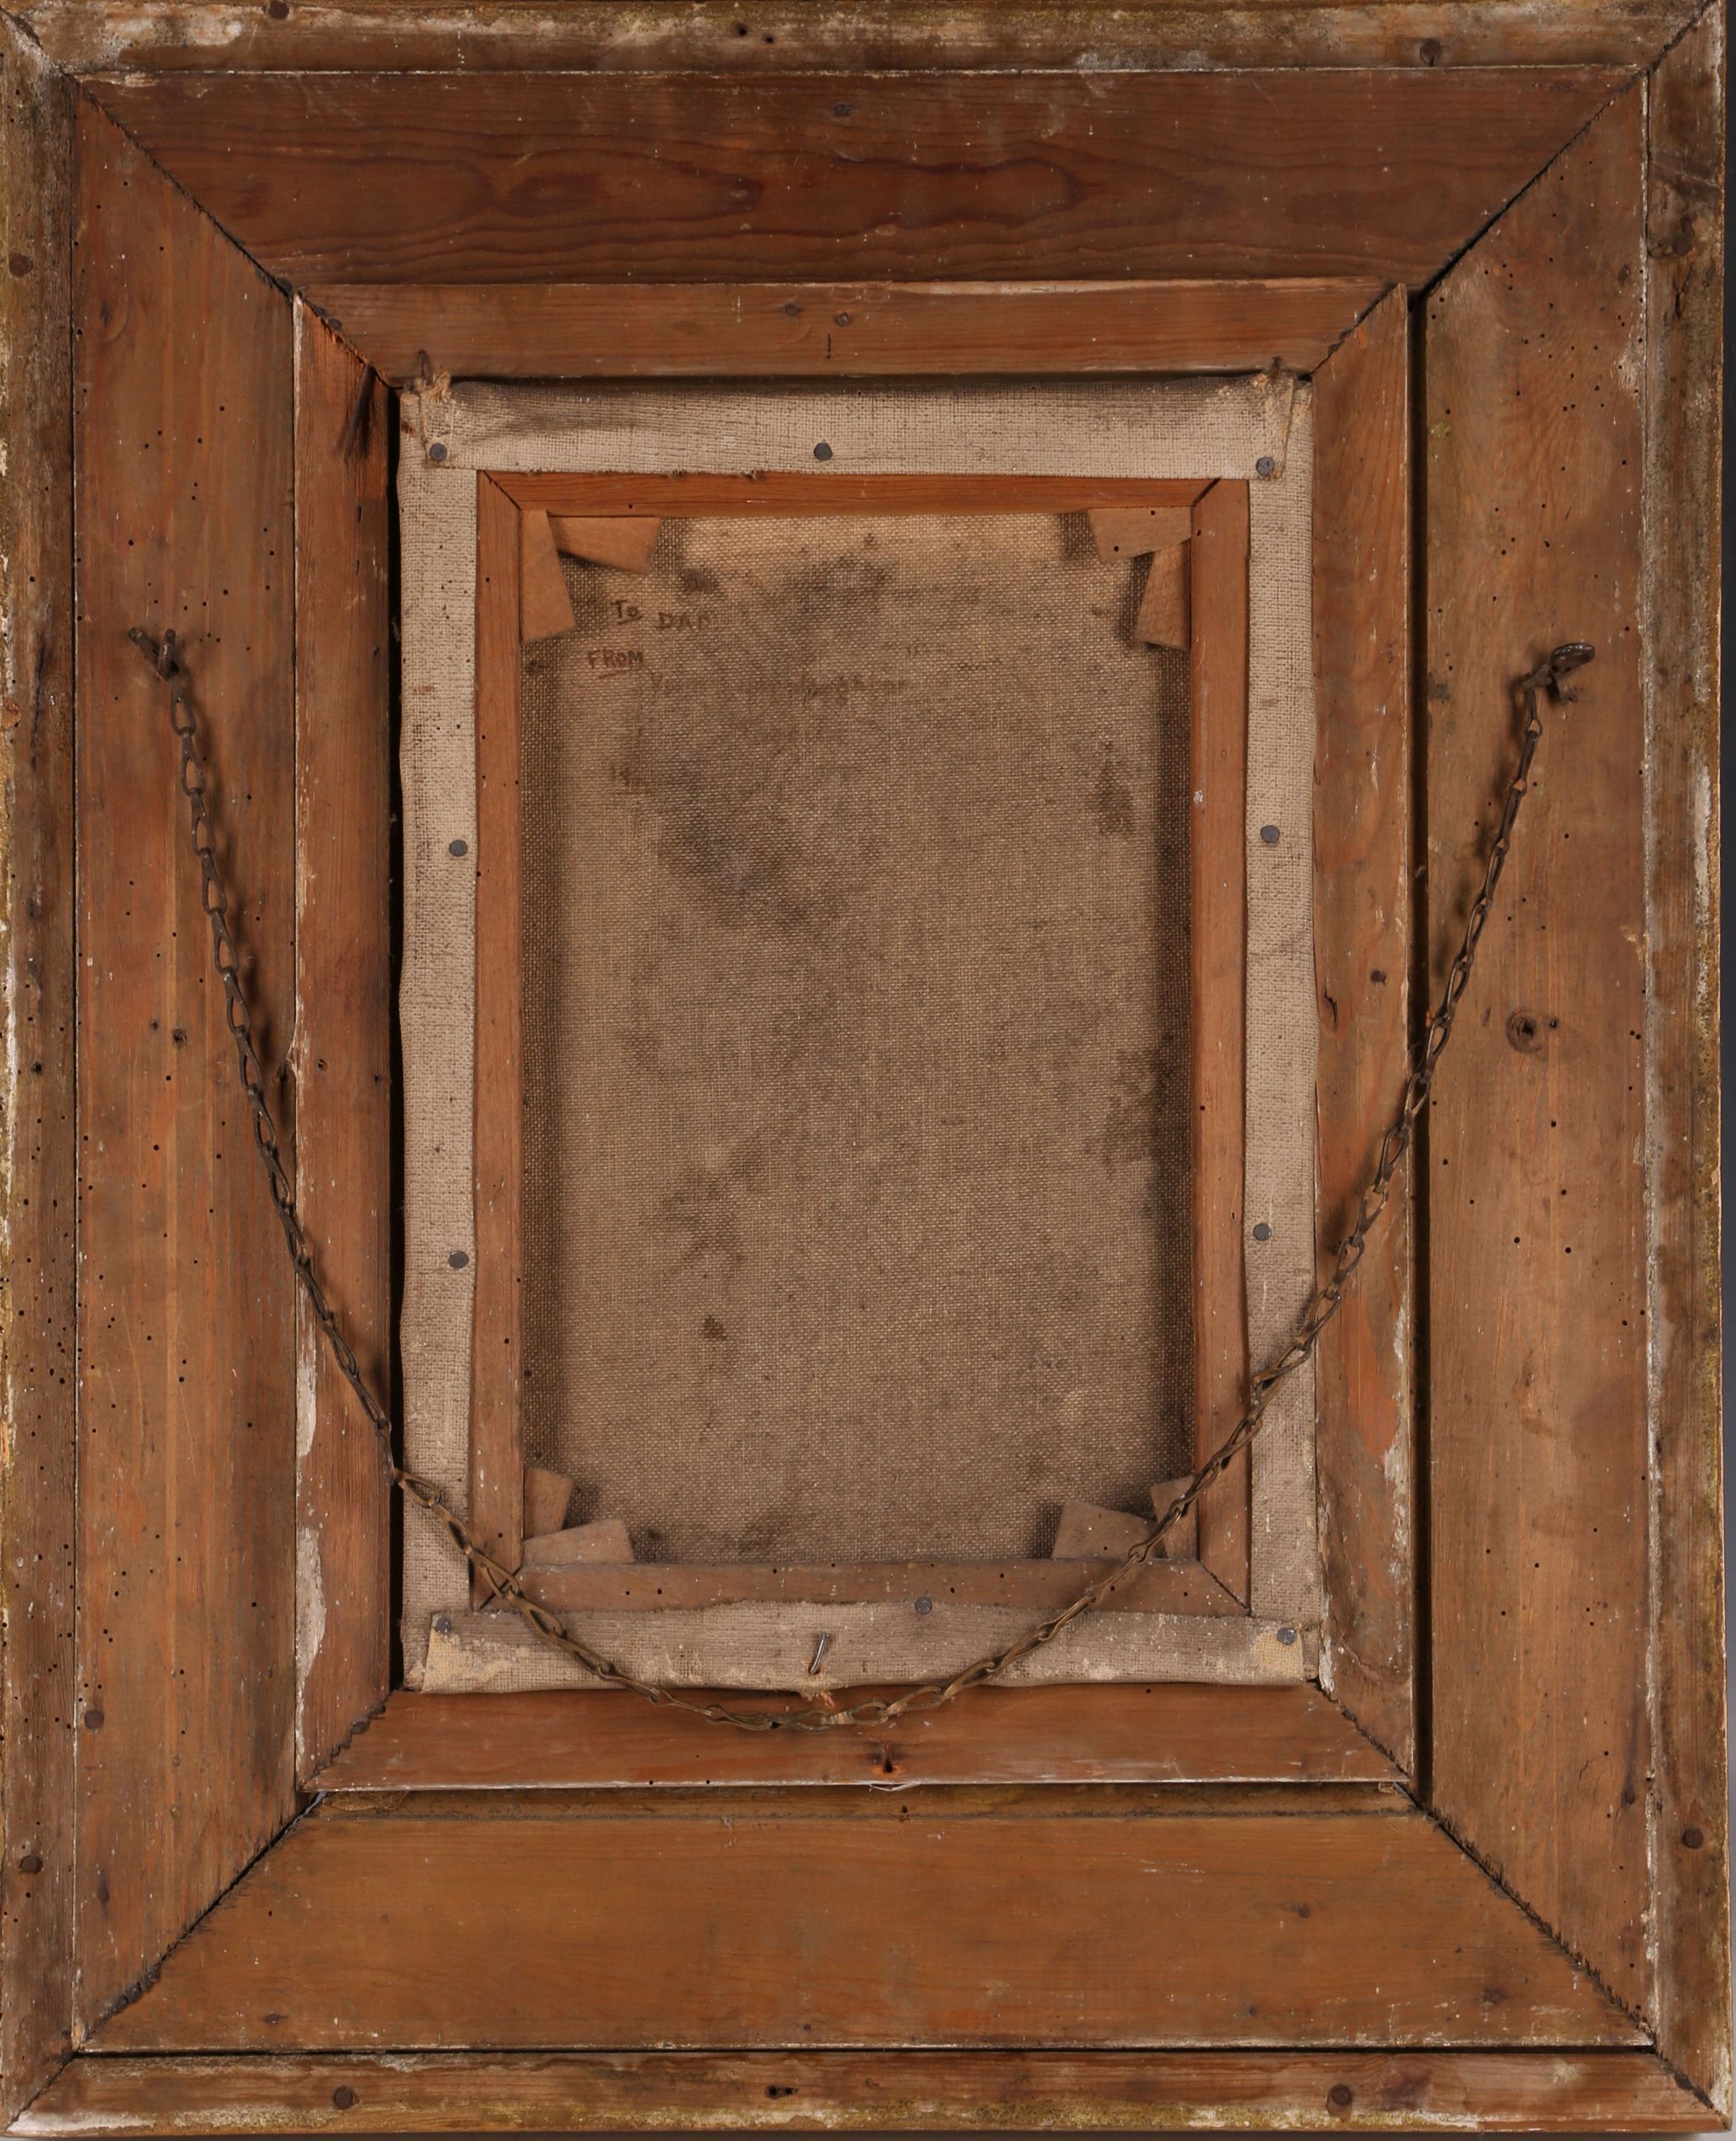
(1536, 1205)
(1363, 800)
(1218, 951)
(183, 382)
(342, 1056)
(693, 177)
(849, 330)
(1175, 1733)
(38, 1159)
(777, 491)
(872, 2092)
(406, 1928)
(785, 35)
(1178, 1586)
(1690, 1998)
(496, 1508)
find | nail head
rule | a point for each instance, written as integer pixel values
(1693, 1836)
(436, 451)
(1265, 466)
(93, 1720)
(31, 1862)
(924, 1605)
(344, 2097)
(458, 848)
(1341, 2095)
(1287, 1636)
(1262, 1233)
(822, 452)
(1269, 834)
(458, 1259)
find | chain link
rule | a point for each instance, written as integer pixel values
(503, 1583)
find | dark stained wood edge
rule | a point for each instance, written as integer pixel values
(183, 380)
(848, 330)
(909, 176)
(1181, 1586)
(1363, 801)
(782, 35)
(902, 2091)
(778, 490)
(38, 1156)
(1690, 1998)
(1218, 955)
(888, 2092)
(341, 1061)
(1319, 1916)
(1175, 1733)
(1541, 1582)
(497, 1509)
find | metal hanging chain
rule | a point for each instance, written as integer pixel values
(503, 1583)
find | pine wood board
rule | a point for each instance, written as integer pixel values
(184, 1710)
(342, 1061)
(692, 177)
(581, 331)
(1558, 2092)
(222, 35)
(1217, 949)
(1535, 1154)
(1690, 2000)
(1284, 1897)
(38, 1158)
(1173, 1733)
(1363, 801)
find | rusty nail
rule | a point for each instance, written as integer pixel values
(31, 1862)
(1693, 1837)
(344, 2097)
(1341, 2095)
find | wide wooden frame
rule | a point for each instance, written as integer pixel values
(1215, 1581)
(1479, 1874)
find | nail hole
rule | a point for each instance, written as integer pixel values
(793, 311)
(31, 1862)
(93, 1720)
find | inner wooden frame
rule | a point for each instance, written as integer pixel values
(1217, 1581)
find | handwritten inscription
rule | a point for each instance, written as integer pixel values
(614, 658)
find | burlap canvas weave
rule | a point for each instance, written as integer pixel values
(1160, 428)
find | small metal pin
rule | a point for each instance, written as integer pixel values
(924, 1605)
(457, 847)
(822, 452)
(1269, 834)
(1265, 466)
(458, 1259)
(1287, 1635)
(1262, 1233)
(436, 451)
(820, 1650)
